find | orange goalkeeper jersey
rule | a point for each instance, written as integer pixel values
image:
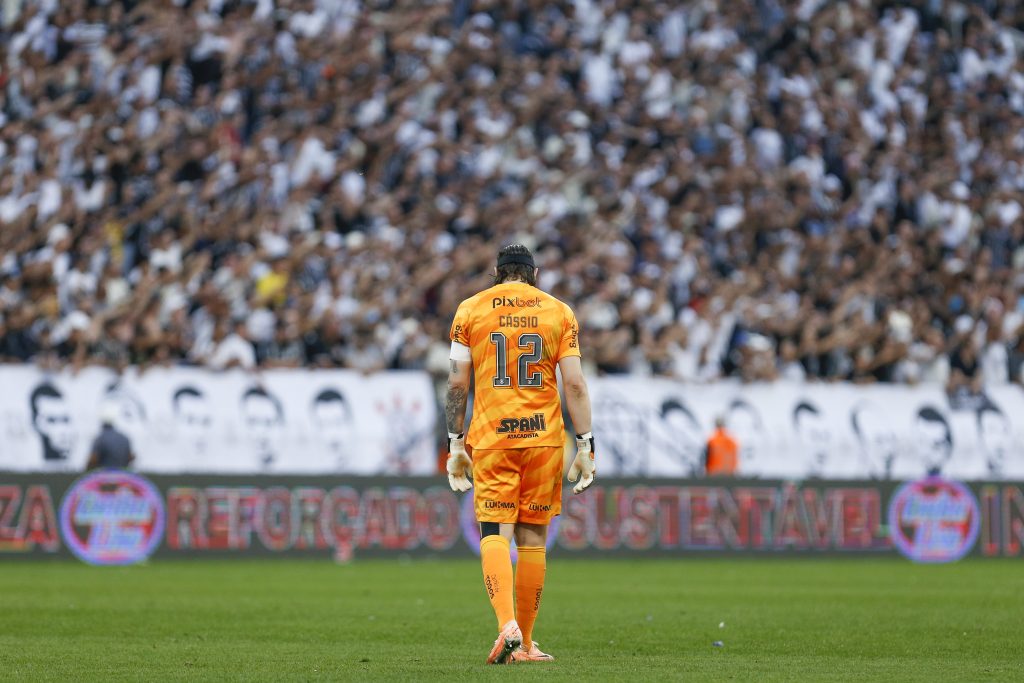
(516, 335)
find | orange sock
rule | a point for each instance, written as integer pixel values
(497, 564)
(530, 571)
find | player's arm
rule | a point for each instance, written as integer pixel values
(457, 396)
(459, 465)
(577, 400)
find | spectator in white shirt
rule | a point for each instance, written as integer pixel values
(232, 349)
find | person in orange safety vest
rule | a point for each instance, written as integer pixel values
(721, 454)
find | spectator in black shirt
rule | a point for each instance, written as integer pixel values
(965, 379)
(111, 449)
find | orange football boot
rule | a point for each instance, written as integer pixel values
(508, 642)
(532, 655)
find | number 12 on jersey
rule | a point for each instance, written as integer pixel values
(532, 344)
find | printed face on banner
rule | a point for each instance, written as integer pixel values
(876, 438)
(264, 423)
(684, 438)
(131, 414)
(51, 418)
(933, 439)
(405, 430)
(621, 435)
(332, 419)
(814, 436)
(192, 418)
(995, 437)
(745, 423)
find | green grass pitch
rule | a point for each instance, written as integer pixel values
(280, 620)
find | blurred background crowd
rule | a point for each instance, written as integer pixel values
(770, 188)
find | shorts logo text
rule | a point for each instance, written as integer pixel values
(498, 505)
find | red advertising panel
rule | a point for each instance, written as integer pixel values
(118, 518)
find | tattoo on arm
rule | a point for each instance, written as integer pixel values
(455, 408)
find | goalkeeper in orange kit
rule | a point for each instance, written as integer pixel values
(510, 338)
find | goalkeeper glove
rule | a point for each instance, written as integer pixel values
(583, 467)
(459, 465)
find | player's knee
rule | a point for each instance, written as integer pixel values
(489, 529)
(527, 534)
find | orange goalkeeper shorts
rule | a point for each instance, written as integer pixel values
(518, 484)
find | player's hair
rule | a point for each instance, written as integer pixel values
(930, 414)
(260, 392)
(46, 390)
(804, 407)
(187, 390)
(327, 395)
(520, 269)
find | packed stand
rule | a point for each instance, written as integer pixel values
(757, 189)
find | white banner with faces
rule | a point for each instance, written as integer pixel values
(653, 427)
(192, 420)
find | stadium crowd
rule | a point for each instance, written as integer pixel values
(808, 189)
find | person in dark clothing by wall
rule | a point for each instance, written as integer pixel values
(111, 449)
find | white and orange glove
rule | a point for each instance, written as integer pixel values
(459, 466)
(583, 467)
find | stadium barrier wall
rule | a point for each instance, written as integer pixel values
(190, 420)
(194, 420)
(112, 517)
(657, 428)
